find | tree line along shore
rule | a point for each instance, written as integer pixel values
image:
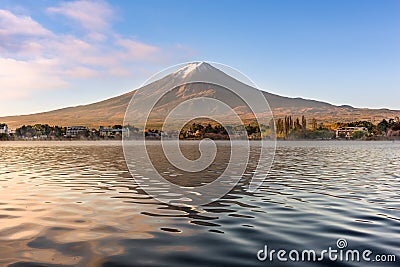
(286, 128)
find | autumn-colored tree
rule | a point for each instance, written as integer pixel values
(314, 124)
(280, 126)
(287, 126)
(297, 124)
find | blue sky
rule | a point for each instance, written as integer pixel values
(55, 54)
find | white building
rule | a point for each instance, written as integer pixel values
(113, 132)
(348, 131)
(74, 131)
(4, 129)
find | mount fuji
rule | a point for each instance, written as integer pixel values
(112, 111)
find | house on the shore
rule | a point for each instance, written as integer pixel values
(114, 132)
(4, 129)
(347, 132)
(75, 131)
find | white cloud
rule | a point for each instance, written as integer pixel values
(93, 16)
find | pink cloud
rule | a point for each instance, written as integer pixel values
(11, 24)
(93, 16)
(82, 72)
(136, 50)
(34, 59)
(21, 78)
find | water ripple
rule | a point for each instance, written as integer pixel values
(75, 204)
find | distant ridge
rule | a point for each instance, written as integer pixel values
(111, 111)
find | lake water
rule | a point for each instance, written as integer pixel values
(75, 204)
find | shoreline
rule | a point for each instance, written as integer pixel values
(197, 140)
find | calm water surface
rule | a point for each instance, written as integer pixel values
(75, 204)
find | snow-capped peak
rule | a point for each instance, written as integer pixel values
(191, 67)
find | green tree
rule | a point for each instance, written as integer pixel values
(4, 137)
(357, 134)
(209, 128)
(383, 126)
(303, 122)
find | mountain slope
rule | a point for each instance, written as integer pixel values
(112, 111)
